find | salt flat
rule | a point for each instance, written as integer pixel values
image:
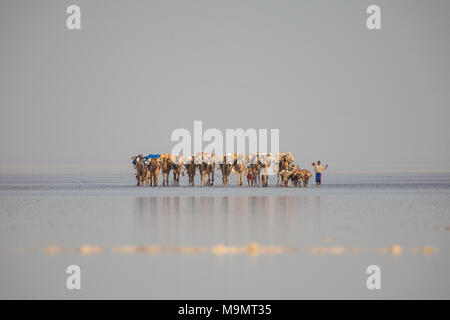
(181, 242)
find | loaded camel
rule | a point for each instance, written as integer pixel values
(191, 168)
(226, 167)
(177, 168)
(166, 166)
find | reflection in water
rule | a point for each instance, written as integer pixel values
(253, 249)
(227, 219)
(230, 225)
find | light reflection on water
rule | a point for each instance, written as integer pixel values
(228, 219)
(252, 249)
(229, 225)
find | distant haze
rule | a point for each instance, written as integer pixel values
(359, 100)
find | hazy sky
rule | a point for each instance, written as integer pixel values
(359, 100)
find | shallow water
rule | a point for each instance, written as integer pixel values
(199, 242)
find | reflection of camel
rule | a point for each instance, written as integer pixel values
(166, 166)
(154, 171)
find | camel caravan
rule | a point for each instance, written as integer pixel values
(256, 167)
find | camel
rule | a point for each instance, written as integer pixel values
(247, 171)
(166, 166)
(306, 176)
(297, 178)
(210, 170)
(206, 166)
(203, 160)
(255, 165)
(191, 168)
(300, 176)
(135, 166)
(226, 167)
(265, 162)
(265, 175)
(283, 165)
(255, 169)
(141, 170)
(285, 175)
(239, 167)
(147, 174)
(177, 168)
(147, 169)
(154, 167)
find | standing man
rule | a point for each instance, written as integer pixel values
(318, 169)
